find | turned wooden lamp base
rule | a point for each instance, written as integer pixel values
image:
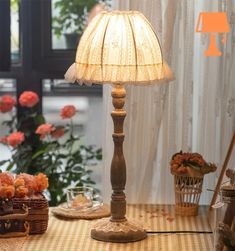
(118, 228)
(125, 231)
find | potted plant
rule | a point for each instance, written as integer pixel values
(188, 170)
(40, 147)
(71, 17)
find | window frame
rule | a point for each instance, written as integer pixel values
(5, 35)
(38, 60)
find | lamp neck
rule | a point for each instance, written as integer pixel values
(118, 166)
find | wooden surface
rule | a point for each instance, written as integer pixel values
(74, 235)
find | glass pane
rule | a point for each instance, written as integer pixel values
(59, 87)
(15, 46)
(69, 19)
(7, 87)
(87, 122)
(89, 110)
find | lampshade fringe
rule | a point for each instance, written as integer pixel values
(144, 75)
(70, 75)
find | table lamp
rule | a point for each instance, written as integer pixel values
(212, 22)
(118, 48)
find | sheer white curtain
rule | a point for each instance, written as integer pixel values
(214, 94)
(158, 117)
(194, 112)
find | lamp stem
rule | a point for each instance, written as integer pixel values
(118, 165)
(118, 228)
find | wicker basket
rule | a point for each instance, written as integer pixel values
(29, 216)
(187, 195)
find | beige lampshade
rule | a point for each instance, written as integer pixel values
(119, 47)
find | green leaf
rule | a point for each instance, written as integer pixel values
(9, 167)
(4, 162)
(39, 119)
(37, 154)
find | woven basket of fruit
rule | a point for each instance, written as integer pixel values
(23, 208)
(188, 170)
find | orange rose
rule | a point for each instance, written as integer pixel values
(15, 139)
(28, 99)
(19, 182)
(30, 182)
(44, 129)
(21, 191)
(58, 132)
(7, 103)
(182, 170)
(6, 179)
(41, 182)
(7, 191)
(67, 112)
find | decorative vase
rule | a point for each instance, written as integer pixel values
(187, 194)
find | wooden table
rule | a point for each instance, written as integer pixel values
(166, 232)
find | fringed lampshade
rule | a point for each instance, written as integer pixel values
(118, 48)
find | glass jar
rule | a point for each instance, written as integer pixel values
(224, 234)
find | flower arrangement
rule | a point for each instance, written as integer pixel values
(40, 147)
(190, 164)
(22, 185)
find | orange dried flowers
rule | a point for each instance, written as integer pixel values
(23, 185)
(190, 164)
(41, 182)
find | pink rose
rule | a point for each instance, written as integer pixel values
(15, 139)
(58, 132)
(44, 129)
(7, 103)
(67, 112)
(28, 99)
(3, 140)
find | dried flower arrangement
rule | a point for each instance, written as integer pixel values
(188, 170)
(23, 208)
(190, 164)
(22, 185)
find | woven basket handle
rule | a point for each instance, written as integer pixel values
(17, 234)
(16, 217)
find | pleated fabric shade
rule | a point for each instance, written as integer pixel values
(119, 47)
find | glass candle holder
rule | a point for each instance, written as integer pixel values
(224, 234)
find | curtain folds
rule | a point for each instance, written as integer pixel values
(214, 95)
(193, 113)
(154, 114)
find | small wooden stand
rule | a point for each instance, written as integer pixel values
(118, 228)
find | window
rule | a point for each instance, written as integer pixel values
(15, 38)
(69, 19)
(39, 60)
(7, 86)
(88, 121)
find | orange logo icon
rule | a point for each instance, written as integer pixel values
(213, 22)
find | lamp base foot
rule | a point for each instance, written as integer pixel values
(111, 231)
